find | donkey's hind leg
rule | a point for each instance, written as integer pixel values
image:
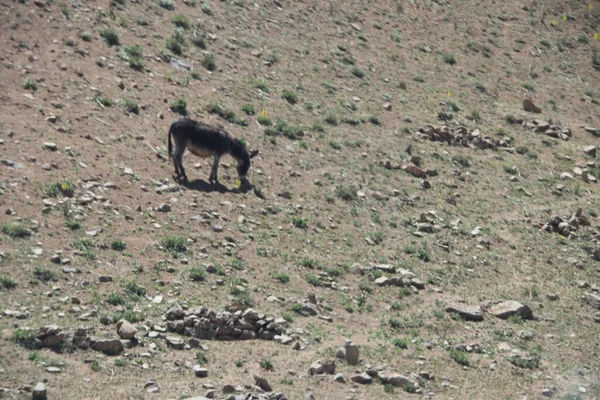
(178, 161)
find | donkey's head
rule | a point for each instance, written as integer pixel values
(243, 158)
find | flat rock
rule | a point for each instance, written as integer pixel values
(109, 346)
(394, 380)
(340, 378)
(509, 308)
(175, 342)
(592, 299)
(362, 379)
(175, 312)
(469, 313)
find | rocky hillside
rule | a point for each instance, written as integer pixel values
(424, 220)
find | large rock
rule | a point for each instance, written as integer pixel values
(469, 313)
(327, 367)
(352, 353)
(394, 380)
(109, 346)
(175, 342)
(50, 336)
(509, 308)
(175, 312)
(363, 379)
(592, 299)
(39, 392)
(126, 330)
(262, 383)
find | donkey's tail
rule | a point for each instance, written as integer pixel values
(170, 144)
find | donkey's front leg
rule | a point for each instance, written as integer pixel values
(214, 172)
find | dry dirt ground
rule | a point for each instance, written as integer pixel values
(89, 89)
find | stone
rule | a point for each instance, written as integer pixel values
(228, 389)
(592, 299)
(283, 339)
(175, 342)
(339, 378)
(152, 387)
(529, 106)
(327, 367)
(414, 170)
(50, 146)
(53, 370)
(39, 392)
(352, 354)
(126, 330)
(109, 346)
(199, 371)
(394, 380)
(175, 312)
(590, 151)
(387, 106)
(469, 313)
(509, 308)
(526, 335)
(362, 379)
(50, 336)
(262, 383)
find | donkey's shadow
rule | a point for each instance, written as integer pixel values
(201, 185)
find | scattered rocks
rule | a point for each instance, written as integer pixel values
(549, 129)
(469, 313)
(566, 226)
(509, 308)
(462, 136)
(326, 367)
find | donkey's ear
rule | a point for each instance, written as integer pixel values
(253, 153)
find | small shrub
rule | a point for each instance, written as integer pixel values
(167, 4)
(357, 72)
(115, 299)
(264, 121)
(181, 21)
(44, 275)
(25, 338)
(8, 283)
(129, 315)
(195, 75)
(248, 109)
(95, 366)
(206, 9)
(134, 291)
(198, 274)
(331, 119)
(173, 45)
(460, 357)
(222, 112)
(131, 106)
(118, 245)
(29, 84)
(262, 85)
(15, 230)
(86, 36)
(179, 106)
(300, 222)
(198, 41)
(529, 362)
(374, 120)
(134, 56)
(111, 36)
(201, 358)
(290, 96)
(376, 237)
(449, 59)
(347, 192)
(282, 277)
(313, 280)
(175, 244)
(401, 343)
(104, 101)
(290, 131)
(267, 364)
(209, 62)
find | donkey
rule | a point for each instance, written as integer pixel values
(204, 141)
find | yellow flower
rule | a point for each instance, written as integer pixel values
(238, 182)
(264, 112)
(554, 22)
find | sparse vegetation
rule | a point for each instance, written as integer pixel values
(210, 62)
(179, 106)
(118, 245)
(175, 244)
(111, 36)
(29, 84)
(15, 230)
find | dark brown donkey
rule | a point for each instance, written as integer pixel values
(204, 141)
